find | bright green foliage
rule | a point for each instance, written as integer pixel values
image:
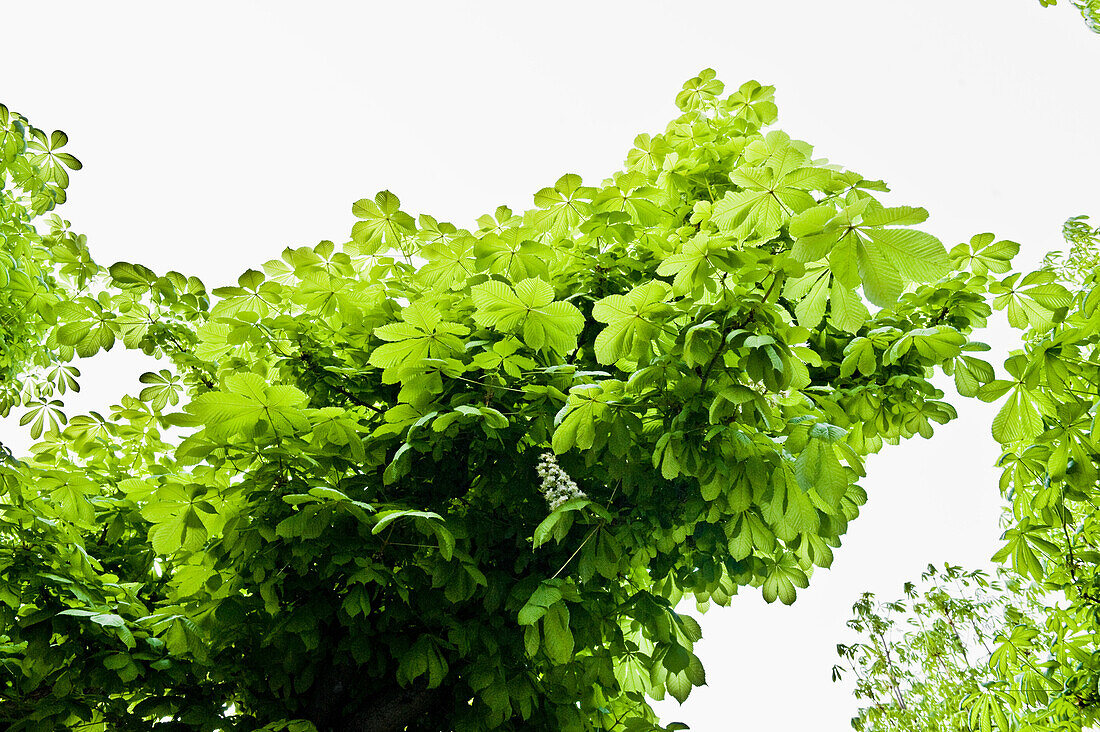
(1041, 673)
(349, 528)
(931, 659)
(37, 270)
(1048, 429)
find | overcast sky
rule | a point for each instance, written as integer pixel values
(215, 135)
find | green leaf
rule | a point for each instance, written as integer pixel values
(1031, 301)
(984, 255)
(557, 637)
(248, 407)
(858, 354)
(576, 422)
(810, 293)
(768, 194)
(382, 222)
(1018, 419)
(696, 263)
(563, 205)
(633, 321)
(385, 518)
(512, 255)
(818, 468)
(421, 334)
(177, 515)
(783, 576)
(846, 309)
(529, 311)
(545, 529)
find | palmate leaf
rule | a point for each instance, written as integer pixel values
(562, 206)
(696, 262)
(176, 513)
(632, 195)
(859, 355)
(632, 672)
(423, 657)
(816, 288)
(768, 195)
(847, 311)
(164, 388)
(250, 406)
(782, 576)
(557, 639)
(810, 292)
(50, 159)
(970, 374)
(45, 416)
(984, 255)
(501, 220)
(817, 468)
(70, 494)
(986, 712)
(449, 263)
(748, 533)
(608, 228)
(253, 294)
(699, 91)
(788, 509)
(383, 222)
(422, 333)
(777, 152)
(680, 683)
(513, 254)
(1030, 301)
(529, 311)
(935, 344)
(861, 251)
(576, 422)
(1024, 544)
(91, 328)
(1018, 419)
(917, 256)
(648, 153)
(1021, 416)
(633, 321)
(753, 103)
(333, 425)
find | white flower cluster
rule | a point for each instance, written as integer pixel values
(557, 486)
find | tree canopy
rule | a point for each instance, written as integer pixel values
(446, 478)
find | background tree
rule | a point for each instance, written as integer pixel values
(923, 658)
(39, 270)
(1047, 428)
(459, 479)
(1041, 669)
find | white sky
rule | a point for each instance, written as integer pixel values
(213, 137)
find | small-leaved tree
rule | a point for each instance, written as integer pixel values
(921, 660)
